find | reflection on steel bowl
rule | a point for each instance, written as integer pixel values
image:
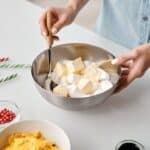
(70, 52)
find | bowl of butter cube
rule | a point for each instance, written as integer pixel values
(75, 80)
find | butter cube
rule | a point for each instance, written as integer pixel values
(86, 86)
(60, 69)
(92, 73)
(95, 74)
(75, 66)
(60, 91)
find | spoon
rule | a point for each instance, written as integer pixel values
(50, 39)
(110, 65)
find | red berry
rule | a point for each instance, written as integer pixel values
(6, 116)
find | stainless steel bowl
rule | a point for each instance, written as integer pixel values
(69, 51)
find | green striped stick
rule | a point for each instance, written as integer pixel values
(14, 66)
(8, 78)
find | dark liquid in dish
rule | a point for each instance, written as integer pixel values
(129, 146)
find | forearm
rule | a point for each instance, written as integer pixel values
(76, 4)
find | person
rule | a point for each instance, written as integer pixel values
(125, 22)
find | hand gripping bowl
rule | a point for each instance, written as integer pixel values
(69, 51)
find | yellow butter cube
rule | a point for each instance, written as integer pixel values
(95, 74)
(92, 73)
(75, 66)
(60, 91)
(60, 69)
(86, 86)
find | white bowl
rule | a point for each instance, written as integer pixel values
(48, 129)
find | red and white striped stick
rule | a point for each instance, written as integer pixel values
(4, 59)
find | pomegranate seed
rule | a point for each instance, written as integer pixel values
(6, 116)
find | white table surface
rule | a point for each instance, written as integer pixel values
(124, 116)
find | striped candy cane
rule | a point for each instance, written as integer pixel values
(14, 66)
(8, 78)
(3, 59)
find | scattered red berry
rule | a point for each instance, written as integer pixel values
(6, 116)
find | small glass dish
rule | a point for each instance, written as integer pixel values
(129, 144)
(12, 106)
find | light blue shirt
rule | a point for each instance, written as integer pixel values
(126, 22)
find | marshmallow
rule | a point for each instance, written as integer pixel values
(75, 92)
(103, 86)
(63, 81)
(72, 78)
(103, 74)
(114, 77)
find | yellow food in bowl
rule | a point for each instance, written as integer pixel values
(29, 141)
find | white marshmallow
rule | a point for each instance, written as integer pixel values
(103, 86)
(114, 77)
(72, 78)
(103, 74)
(63, 81)
(75, 92)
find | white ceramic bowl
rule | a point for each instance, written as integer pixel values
(48, 129)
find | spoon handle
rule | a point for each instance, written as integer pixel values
(49, 38)
(49, 27)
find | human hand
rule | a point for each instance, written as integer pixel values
(60, 18)
(135, 63)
